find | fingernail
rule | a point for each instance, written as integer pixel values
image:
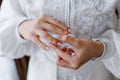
(69, 31)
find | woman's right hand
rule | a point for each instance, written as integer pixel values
(34, 29)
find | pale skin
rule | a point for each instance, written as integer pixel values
(84, 50)
(33, 30)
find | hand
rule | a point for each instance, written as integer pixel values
(84, 50)
(34, 29)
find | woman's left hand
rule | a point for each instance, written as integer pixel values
(84, 50)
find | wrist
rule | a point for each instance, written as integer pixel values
(99, 48)
(22, 27)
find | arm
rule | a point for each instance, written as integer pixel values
(32, 31)
(110, 54)
(11, 44)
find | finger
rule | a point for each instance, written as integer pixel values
(58, 58)
(39, 43)
(48, 37)
(56, 22)
(54, 29)
(68, 39)
(65, 56)
(63, 63)
(70, 50)
(64, 49)
(67, 65)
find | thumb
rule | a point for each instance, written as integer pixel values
(68, 39)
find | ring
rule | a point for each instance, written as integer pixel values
(73, 54)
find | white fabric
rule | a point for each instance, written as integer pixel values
(8, 70)
(88, 19)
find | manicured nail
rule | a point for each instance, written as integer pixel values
(69, 31)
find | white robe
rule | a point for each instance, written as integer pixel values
(8, 69)
(88, 19)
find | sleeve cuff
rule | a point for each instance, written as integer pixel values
(20, 39)
(103, 54)
(108, 49)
